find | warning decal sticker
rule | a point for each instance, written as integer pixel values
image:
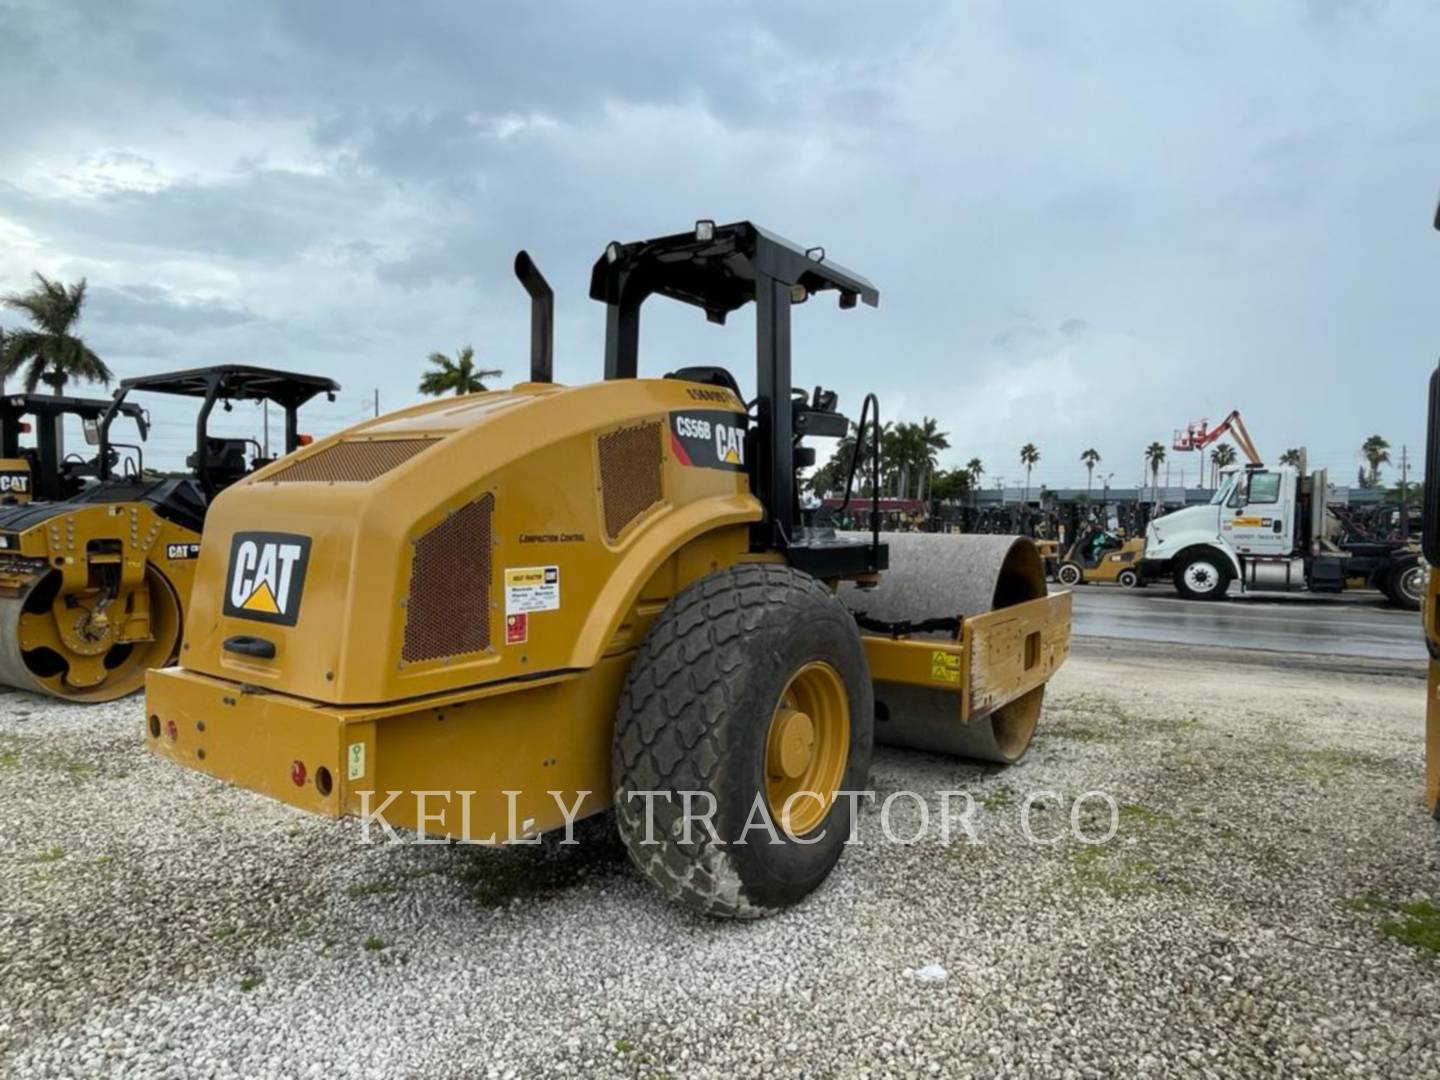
(531, 588)
(944, 667)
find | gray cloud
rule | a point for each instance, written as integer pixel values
(1235, 199)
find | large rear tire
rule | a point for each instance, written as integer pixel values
(1202, 575)
(750, 692)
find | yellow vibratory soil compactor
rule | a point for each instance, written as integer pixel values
(93, 583)
(479, 617)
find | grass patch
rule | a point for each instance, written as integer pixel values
(998, 799)
(388, 883)
(1414, 923)
(1083, 734)
(373, 944)
(54, 853)
(500, 876)
(1140, 814)
(9, 759)
(1113, 872)
(624, 1046)
(250, 982)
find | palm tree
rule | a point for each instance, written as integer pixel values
(1155, 457)
(458, 376)
(1376, 452)
(1222, 457)
(1091, 458)
(50, 353)
(1291, 457)
(1029, 455)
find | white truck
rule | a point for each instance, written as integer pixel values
(1269, 528)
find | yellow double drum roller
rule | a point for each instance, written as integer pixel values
(93, 586)
(487, 616)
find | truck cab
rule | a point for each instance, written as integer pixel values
(1271, 527)
(1253, 514)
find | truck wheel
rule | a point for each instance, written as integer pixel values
(1202, 576)
(751, 701)
(1070, 574)
(1128, 579)
(1406, 584)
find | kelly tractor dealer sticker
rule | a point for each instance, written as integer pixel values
(528, 589)
(708, 439)
(266, 576)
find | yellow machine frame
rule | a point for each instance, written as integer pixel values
(531, 717)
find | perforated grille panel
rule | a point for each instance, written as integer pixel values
(356, 462)
(449, 609)
(629, 474)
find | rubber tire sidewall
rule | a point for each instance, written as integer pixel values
(1395, 592)
(1134, 576)
(1074, 571)
(1221, 570)
(715, 664)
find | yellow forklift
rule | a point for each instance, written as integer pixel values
(93, 585)
(521, 607)
(1099, 555)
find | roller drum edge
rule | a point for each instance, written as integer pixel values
(13, 670)
(934, 575)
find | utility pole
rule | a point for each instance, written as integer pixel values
(377, 401)
(1404, 488)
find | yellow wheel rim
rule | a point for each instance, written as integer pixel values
(806, 748)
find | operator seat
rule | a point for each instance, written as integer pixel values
(226, 460)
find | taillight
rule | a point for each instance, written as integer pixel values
(297, 773)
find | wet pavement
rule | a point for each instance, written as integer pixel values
(1350, 624)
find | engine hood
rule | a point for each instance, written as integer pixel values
(1187, 525)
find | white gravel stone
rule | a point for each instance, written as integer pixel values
(155, 922)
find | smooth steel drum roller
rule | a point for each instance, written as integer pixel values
(935, 575)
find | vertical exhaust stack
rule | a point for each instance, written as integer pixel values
(542, 319)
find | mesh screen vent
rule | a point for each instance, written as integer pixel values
(449, 609)
(356, 462)
(630, 482)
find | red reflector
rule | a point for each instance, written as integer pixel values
(297, 773)
(172, 730)
(304, 440)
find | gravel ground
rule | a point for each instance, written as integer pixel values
(1244, 920)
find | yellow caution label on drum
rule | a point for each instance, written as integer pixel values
(944, 667)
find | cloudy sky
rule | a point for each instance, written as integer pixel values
(1089, 223)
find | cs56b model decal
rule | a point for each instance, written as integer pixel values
(708, 438)
(266, 577)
